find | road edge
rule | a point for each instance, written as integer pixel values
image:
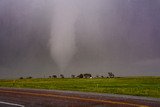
(90, 93)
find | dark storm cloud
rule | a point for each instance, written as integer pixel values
(121, 36)
(24, 36)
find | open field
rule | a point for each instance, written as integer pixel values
(137, 86)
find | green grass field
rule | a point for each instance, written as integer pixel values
(137, 86)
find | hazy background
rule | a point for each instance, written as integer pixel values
(43, 37)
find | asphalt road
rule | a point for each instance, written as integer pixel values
(12, 97)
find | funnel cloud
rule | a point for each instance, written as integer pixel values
(62, 41)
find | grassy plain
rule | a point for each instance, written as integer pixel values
(137, 86)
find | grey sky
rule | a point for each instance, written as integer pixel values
(95, 36)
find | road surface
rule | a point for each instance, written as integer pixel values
(12, 97)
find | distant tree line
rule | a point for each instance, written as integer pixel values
(85, 75)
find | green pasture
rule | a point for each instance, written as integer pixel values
(137, 86)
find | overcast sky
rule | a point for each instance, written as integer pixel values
(46, 37)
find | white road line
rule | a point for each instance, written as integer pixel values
(12, 104)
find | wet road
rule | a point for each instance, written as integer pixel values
(11, 97)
